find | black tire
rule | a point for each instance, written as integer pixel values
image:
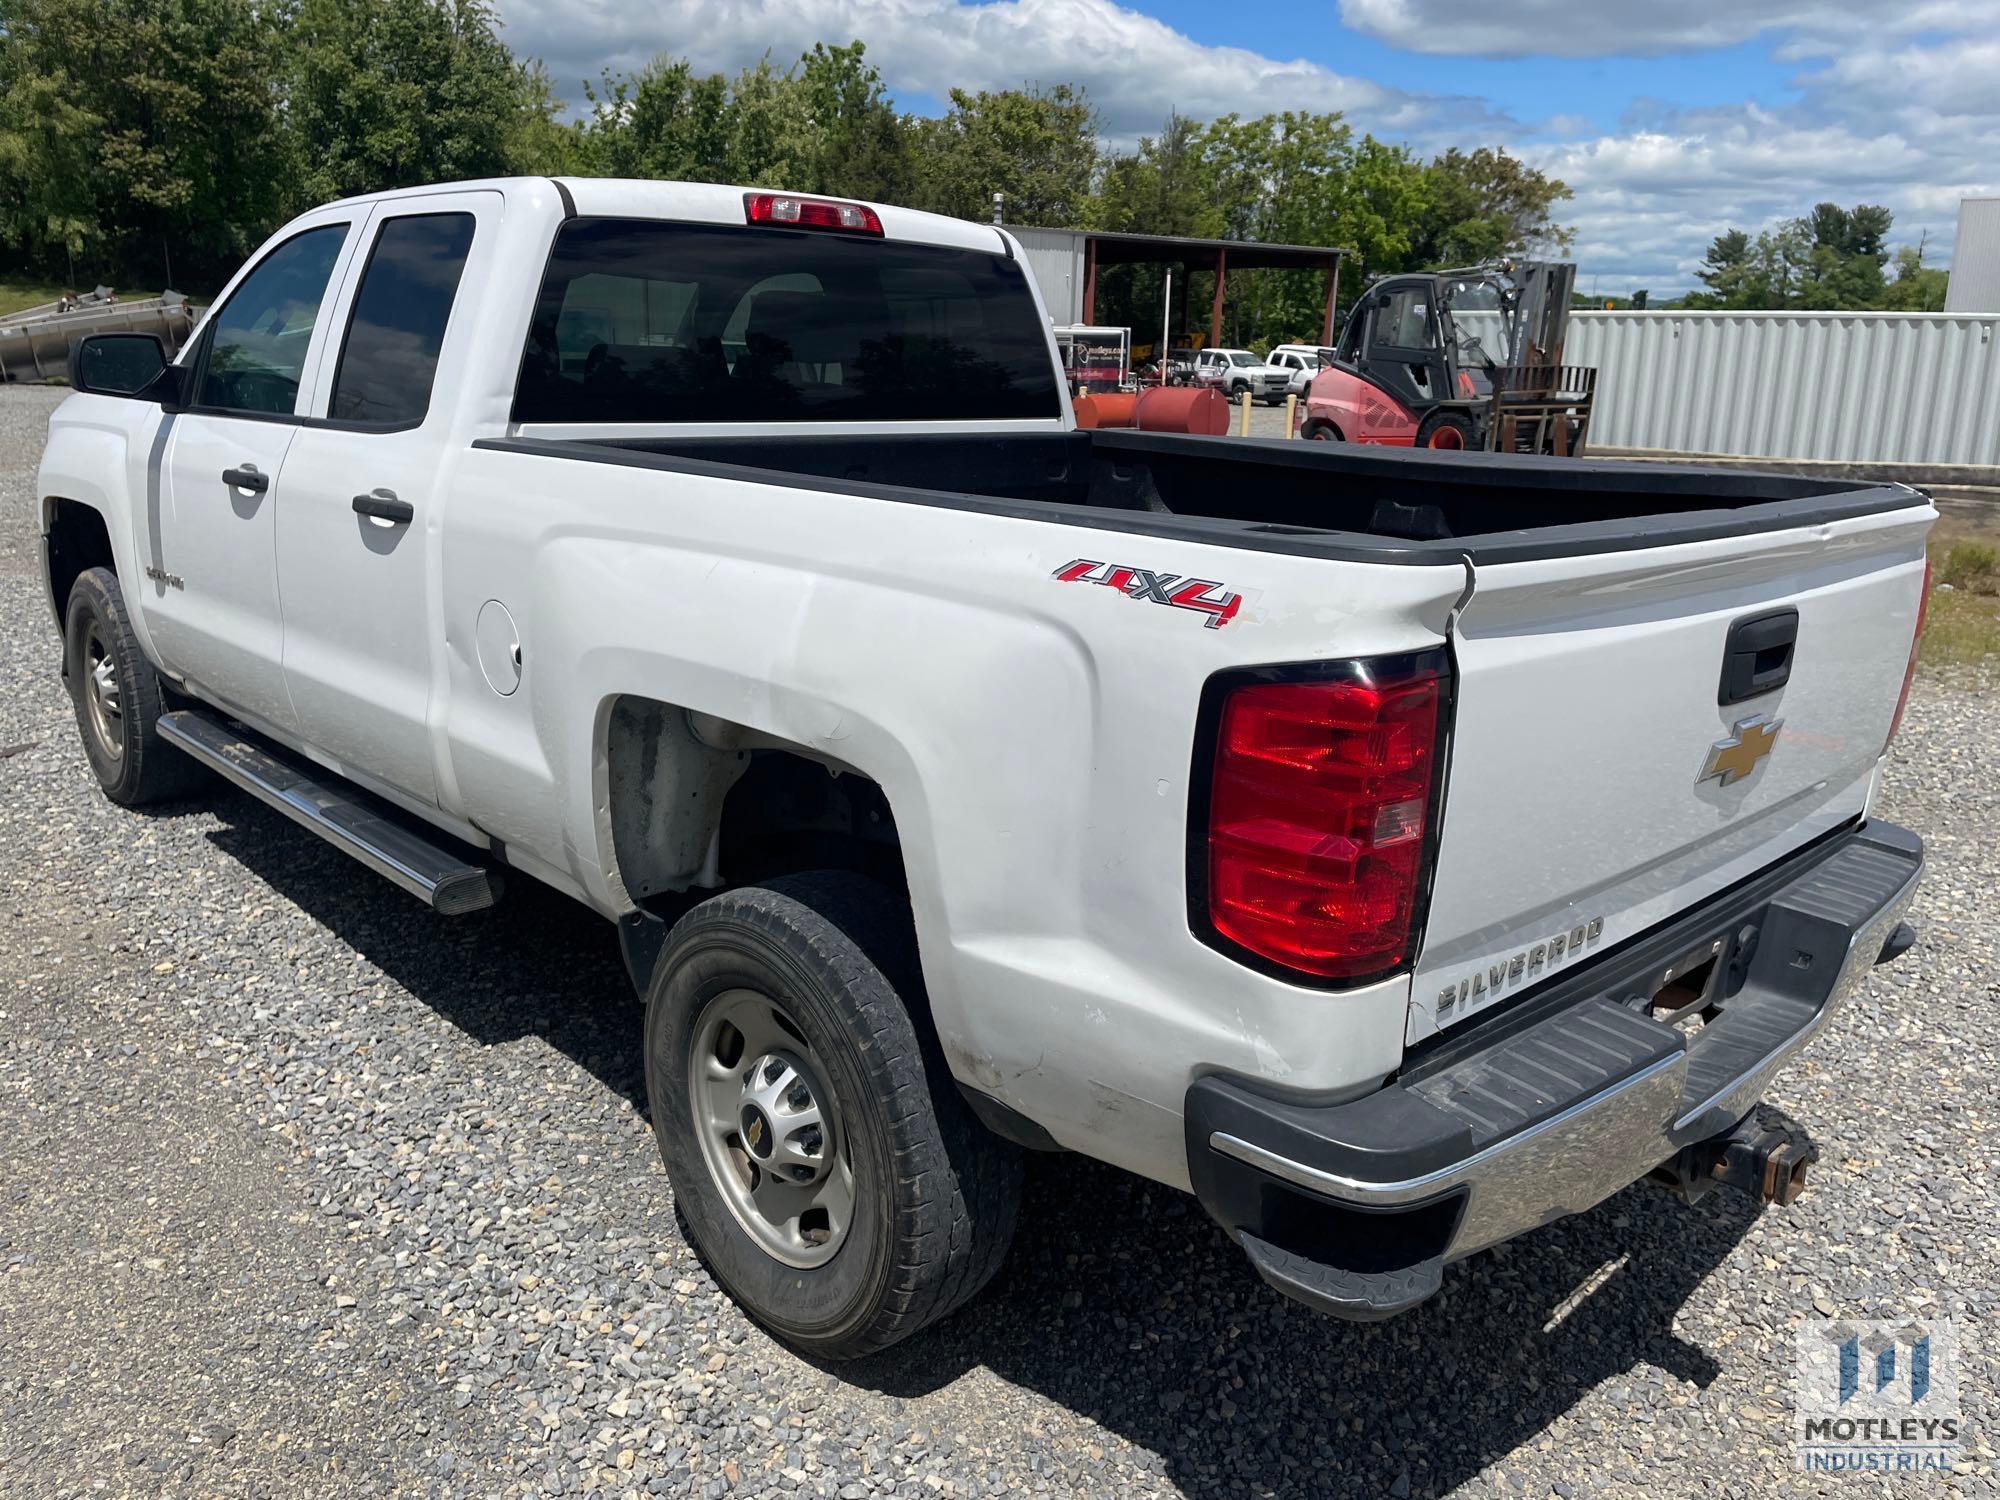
(1447, 430)
(935, 1194)
(1237, 388)
(123, 745)
(1321, 432)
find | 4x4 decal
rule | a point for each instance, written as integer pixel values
(1203, 595)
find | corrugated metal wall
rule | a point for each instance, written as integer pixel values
(1055, 260)
(1876, 387)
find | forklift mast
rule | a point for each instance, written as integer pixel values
(1541, 311)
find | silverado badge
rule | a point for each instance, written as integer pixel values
(1733, 758)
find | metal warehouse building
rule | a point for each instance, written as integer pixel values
(1975, 258)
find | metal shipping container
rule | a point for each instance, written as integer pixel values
(1913, 388)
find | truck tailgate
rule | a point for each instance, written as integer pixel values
(1596, 783)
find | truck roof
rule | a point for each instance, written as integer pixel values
(700, 203)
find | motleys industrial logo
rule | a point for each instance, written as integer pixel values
(1878, 1397)
(1203, 595)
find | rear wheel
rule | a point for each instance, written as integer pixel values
(118, 698)
(1447, 431)
(826, 1169)
(1321, 432)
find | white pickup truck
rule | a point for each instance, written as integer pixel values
(1398, 851)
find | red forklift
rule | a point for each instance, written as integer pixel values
(1465, 359)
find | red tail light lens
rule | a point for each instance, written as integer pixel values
(1319, 805)
(1910, 671)
(794, 212)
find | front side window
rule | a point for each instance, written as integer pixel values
(389, 360)
(647, 322)
(258, 338)
(1404, 321)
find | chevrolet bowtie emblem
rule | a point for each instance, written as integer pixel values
(1731, 759)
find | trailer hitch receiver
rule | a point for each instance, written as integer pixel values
(1763, 1154)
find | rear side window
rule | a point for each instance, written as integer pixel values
(640, 321)
(259, 337)
(390, 358)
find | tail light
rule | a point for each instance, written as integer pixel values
(794, 212)
(1320, 802)
(1910, 671)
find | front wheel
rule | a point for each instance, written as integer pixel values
(1447, 431)
(118, 698)
(826, 1169)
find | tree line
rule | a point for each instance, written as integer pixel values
(1832, 258)
(157, 141)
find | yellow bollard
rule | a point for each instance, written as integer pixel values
(1243, 427)
(1291, 414)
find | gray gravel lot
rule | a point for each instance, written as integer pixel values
(307, 1191)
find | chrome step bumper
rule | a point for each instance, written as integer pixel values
(1554, 1106)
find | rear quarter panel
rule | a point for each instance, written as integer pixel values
(1034, 739)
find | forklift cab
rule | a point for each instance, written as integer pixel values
(1401, 335)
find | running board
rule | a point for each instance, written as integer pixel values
(338, 812)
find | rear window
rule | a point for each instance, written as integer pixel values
(640, 321)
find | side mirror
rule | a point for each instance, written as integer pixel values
(125, 364)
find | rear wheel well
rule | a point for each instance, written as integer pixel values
(78, 539)
(789, 813)
(697, 803)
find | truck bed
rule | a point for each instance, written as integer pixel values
(1315, 499)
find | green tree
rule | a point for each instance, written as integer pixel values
(137, 132)
(1486, 205)
(1831, 257)
(1917, 287)
(663, 121)
(393, 93)
(1036, 145)
(1162, 187)
(861, 146)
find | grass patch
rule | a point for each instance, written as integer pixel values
(1974, 566)
(1962, 627)
(19, 296)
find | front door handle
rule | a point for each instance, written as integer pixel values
(247, 478)
(384, 506)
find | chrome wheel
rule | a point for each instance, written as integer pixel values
(102, 695)
(768, 1129)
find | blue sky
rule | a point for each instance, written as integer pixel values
(1671, 120)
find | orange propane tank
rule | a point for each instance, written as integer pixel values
(1106, 409)
(1183, 408)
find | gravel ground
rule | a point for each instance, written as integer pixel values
(306, 1191)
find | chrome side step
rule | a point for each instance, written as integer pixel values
(343, 815)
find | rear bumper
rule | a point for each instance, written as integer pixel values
(1549, 1108)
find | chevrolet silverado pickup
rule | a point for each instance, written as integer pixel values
(1395, 850)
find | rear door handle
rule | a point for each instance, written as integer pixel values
(247, 478)
(384, 506)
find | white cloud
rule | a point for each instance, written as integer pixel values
(1135, 67)
(1642, 28)
(1896, 106)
